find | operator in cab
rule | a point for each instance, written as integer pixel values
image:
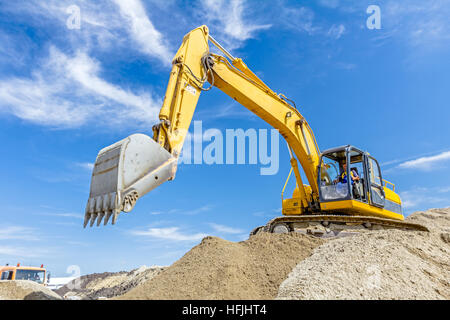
(343, 177)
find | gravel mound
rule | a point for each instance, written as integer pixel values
(108, 284)
(389, 264)
(386, 264)
(220, 269)
(25, 290)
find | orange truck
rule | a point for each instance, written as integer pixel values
(19, 272)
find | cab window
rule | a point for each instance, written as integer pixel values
(358, 176)
(7, 275)
(332, 186)
(33, 275)
(376, 187)
(375, 172)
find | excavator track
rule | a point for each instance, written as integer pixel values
(333, 225)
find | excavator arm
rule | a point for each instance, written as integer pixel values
(193, 65)
(130, 168)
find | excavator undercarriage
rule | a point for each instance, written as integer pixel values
(333, 225)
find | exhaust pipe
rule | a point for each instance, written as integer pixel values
(124, 172)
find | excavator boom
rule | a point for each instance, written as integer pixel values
(130, 168)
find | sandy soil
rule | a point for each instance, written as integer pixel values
(390, 264)
(25, 290)
(220, 269)
(108, 284)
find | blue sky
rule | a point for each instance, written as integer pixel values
(66, 93)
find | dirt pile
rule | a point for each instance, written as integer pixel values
(220, 269)
(25, 290)
(390, 264)
(107, 284)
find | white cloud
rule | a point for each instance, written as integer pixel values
(105, 25)
(171, 233)
(420, 23)
(142, 30)
(79, 243)
(419, 198)
(197, 210)
(426, 163)
(396, 161)
(329, 3)
(85, 70)
(229, 17)
(86, 165)
(101, 24)
(444, 189)
(70, 215)
(194, 211)
(64, 215)
(12, 48)
(298, 19)
(17, 233)
(69, 92)
(64, 223)
(225, 229)
(336, 31)
(302, 19)
(37, 100)
(19, 252)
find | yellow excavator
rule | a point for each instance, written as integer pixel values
(346, 191)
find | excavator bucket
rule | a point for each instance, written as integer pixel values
(123, 172)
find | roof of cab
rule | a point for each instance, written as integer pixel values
(341, 148)
(4, 268)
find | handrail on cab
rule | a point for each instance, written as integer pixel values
(387, 182)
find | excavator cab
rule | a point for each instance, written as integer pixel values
(349, 174)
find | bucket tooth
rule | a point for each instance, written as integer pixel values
(90, 209)
(114, 218)
(100, 217)
(87, 217)
(93, 217)
(108, 214)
